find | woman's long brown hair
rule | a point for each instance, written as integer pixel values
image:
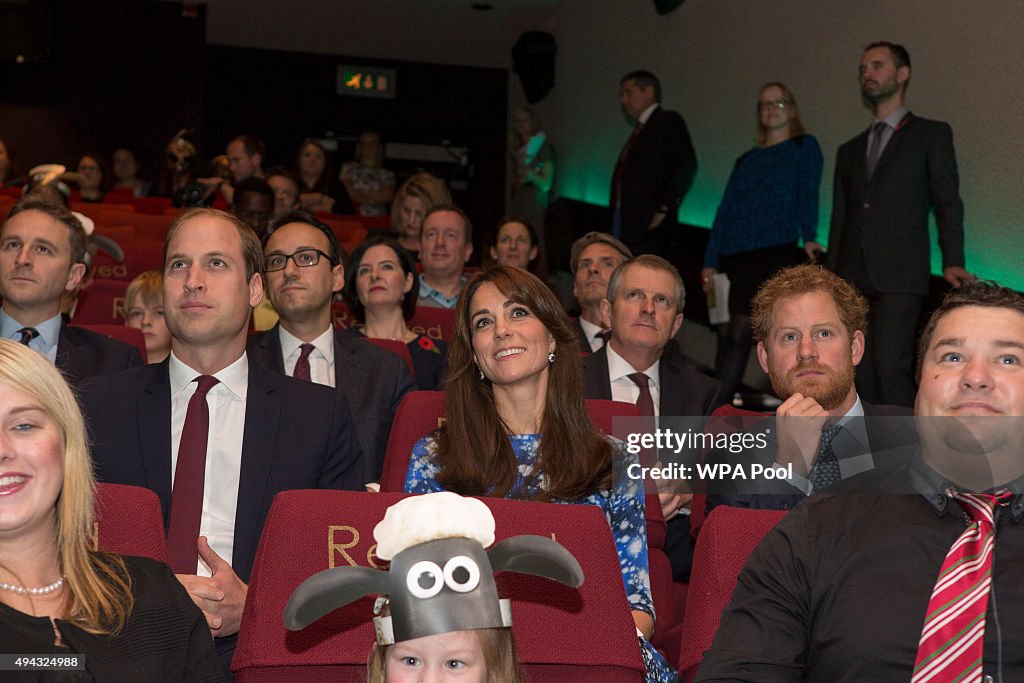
(474, 452)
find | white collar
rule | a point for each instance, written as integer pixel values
(619, 368)
(234, 377)
(323, 343)
(642, 119)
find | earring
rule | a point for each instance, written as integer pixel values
(482, 375)
(551, 357)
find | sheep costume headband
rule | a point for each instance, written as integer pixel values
(441, 577)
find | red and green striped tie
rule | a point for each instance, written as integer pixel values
(953, 638)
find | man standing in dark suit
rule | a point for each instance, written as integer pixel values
(887, 178)
(42, 252)
(303, 272)
(645, 307)
(809, 325)
(213, 435)
(655, 168)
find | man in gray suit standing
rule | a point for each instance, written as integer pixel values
(886, 180)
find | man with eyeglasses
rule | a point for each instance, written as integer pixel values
(303, 273)
(886, 181)
(214, 434)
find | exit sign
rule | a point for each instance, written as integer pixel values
(366, 81)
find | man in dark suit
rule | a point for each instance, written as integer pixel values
(645, 307)
(594, 258)
(809, 325)
(886, 180)
(303, 272)
(215, 436)
(42, 256)
(654, 171)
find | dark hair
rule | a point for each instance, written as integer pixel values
(595, 237)
(655, 263)
(254, 185)
(454, 208)
(105, 171)
(252, 145)
(644, 79)
(77, 238)
(900, 56)
(473, 448)
(536, 266)
(323, 183)
(252, 251)
(973, 293)
(337, 254)
(405, 261)
(806, 279)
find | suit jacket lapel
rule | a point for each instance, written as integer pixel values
(68, 360)
(895, 140)
(344, 359)
(262, 407)
(154, 415)
(269, 348)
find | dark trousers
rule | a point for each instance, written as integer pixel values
(887, 372)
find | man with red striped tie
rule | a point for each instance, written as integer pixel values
(919, 581)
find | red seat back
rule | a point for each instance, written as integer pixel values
(152, 205)
(101, 303)
(436, 323)
(129, 521)
(726, 419)
(729, 536)
(419, 413)
(396, 347)
(129, 335)
(561, 633)
(341, 316)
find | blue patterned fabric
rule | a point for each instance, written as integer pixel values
(623, 507)
(771, 199)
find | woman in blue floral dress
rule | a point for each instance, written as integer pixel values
(515, 392)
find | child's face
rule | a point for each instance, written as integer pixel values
(452, 656)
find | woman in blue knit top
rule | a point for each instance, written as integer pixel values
(769, 205)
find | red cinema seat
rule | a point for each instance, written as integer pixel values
(419, 413)
(129, 335)
(129, 521)
(152, 205)
(119, 195)
(396, 347)
(140, 255)
(342, 317)
(436, 323)
(147, 226)
(101, 303)
(729, 536)
(562, 633)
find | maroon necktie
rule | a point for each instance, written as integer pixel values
(644, 401)
(189, 477)
(952, 642)
(617, 175)
(301, 370)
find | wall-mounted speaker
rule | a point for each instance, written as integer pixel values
(26, 31)
(533, 58)
(666, 6)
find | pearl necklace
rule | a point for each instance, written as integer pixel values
(21, 590)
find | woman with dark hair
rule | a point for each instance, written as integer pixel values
(380, 290)
(94, 180)
(319, 192)
(515, 244)
(128, 618)
(517, 426)
(770, 203)
(126, 170)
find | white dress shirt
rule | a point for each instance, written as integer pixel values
(593, 333)
(224, 447)
(623, 388)
(321, 359)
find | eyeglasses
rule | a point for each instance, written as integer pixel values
(772, 104)
(303, 258)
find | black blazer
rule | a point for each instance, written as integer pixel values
(684, 392)
(886, 215)
(373, 381)
(657, 172)
(893, 441)
(295, 437)
(83, 353)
